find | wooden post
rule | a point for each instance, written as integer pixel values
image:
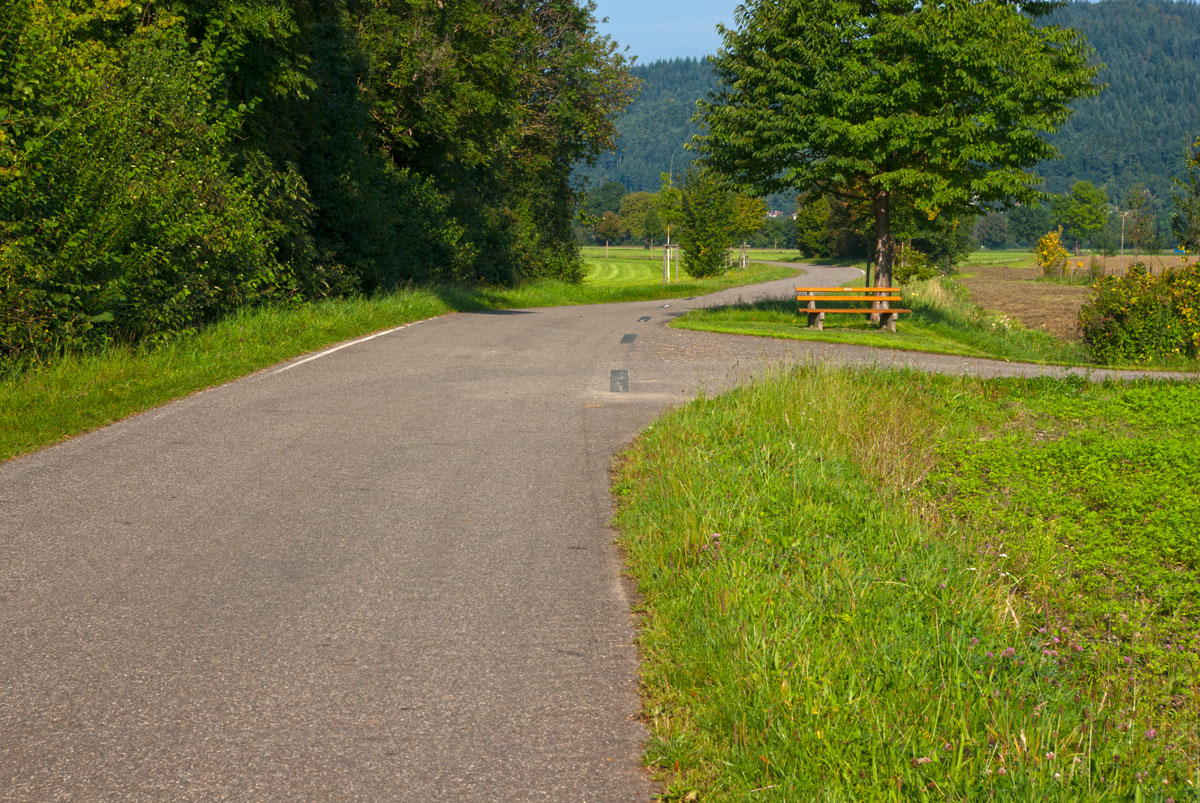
(816, 320)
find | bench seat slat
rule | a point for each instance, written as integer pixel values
(848, 289)
(847, 298)
(887, 311)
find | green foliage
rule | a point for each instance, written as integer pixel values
(605, 198)
(938, 106)
(815, 236)
(1139, 220)
(944, 240)
(121, 212)
(1081, 212)
(1028, 222)
(907, 606)
(1185, 222)
(912, 266)
(1133, 133)
(707, 229)
(609, 227)
(1141, 316)
(162, 164)
(993, 232)
(657, 125)
(641, 217)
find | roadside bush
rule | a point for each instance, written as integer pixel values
(1051, 256)
(120, 211)
(1143, 317)
(912, 265)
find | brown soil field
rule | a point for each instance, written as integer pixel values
(1038, 305)
(1045, 305)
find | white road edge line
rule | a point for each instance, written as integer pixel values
(327, 352)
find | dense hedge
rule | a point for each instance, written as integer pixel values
(1142, 316)
(162, 163)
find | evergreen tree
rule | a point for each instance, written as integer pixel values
(707, 230)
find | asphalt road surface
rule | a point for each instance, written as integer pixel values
(382, 574)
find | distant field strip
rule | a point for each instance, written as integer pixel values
(624, 270)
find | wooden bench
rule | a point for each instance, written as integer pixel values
(816, 315)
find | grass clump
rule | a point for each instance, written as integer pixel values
(830, 614)
(943, 321)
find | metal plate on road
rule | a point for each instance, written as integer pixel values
(643, 319)
(628, 338)
(619, 382)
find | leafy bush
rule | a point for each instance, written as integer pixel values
(912, 265)
(1140, 316)
(1051, 256)
(120, 211)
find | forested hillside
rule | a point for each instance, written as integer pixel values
(1134, 132)
(164, 163)
(656, 126)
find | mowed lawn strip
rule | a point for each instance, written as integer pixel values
(942, 321)
(844, 600)
(75, 393)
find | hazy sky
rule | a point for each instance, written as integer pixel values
(665, 29)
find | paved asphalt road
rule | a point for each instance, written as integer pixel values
(382, 574)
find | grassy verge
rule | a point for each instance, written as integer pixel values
(1009, 258)
(80, 392)
(942, 321)
(993, 600)
(77, 393)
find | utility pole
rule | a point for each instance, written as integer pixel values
(1123, 216)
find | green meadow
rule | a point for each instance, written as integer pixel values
(996, 599)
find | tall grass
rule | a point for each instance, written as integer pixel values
(815, 628)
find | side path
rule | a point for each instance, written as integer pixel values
(382, 574)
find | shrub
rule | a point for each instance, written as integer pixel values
(1051, 256)
(707, 231)
(911, 265)
(1142, 317)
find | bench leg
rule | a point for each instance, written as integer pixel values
(816, 320)
(887, 321)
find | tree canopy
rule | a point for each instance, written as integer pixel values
(939, 106)
(162, 163)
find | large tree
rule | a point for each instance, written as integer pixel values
(1081, 212)
(1185, 221)
(938, 105)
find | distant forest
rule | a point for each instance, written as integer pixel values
(1135, 132)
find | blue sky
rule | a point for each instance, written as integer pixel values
(665, 29)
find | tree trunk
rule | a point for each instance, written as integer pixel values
(884, 247)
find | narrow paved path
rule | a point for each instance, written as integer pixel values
(382, 574)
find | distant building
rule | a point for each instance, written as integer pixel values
(774, 213)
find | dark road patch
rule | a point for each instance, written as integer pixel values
(643, 319)
(628, 338)
(619, 382)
